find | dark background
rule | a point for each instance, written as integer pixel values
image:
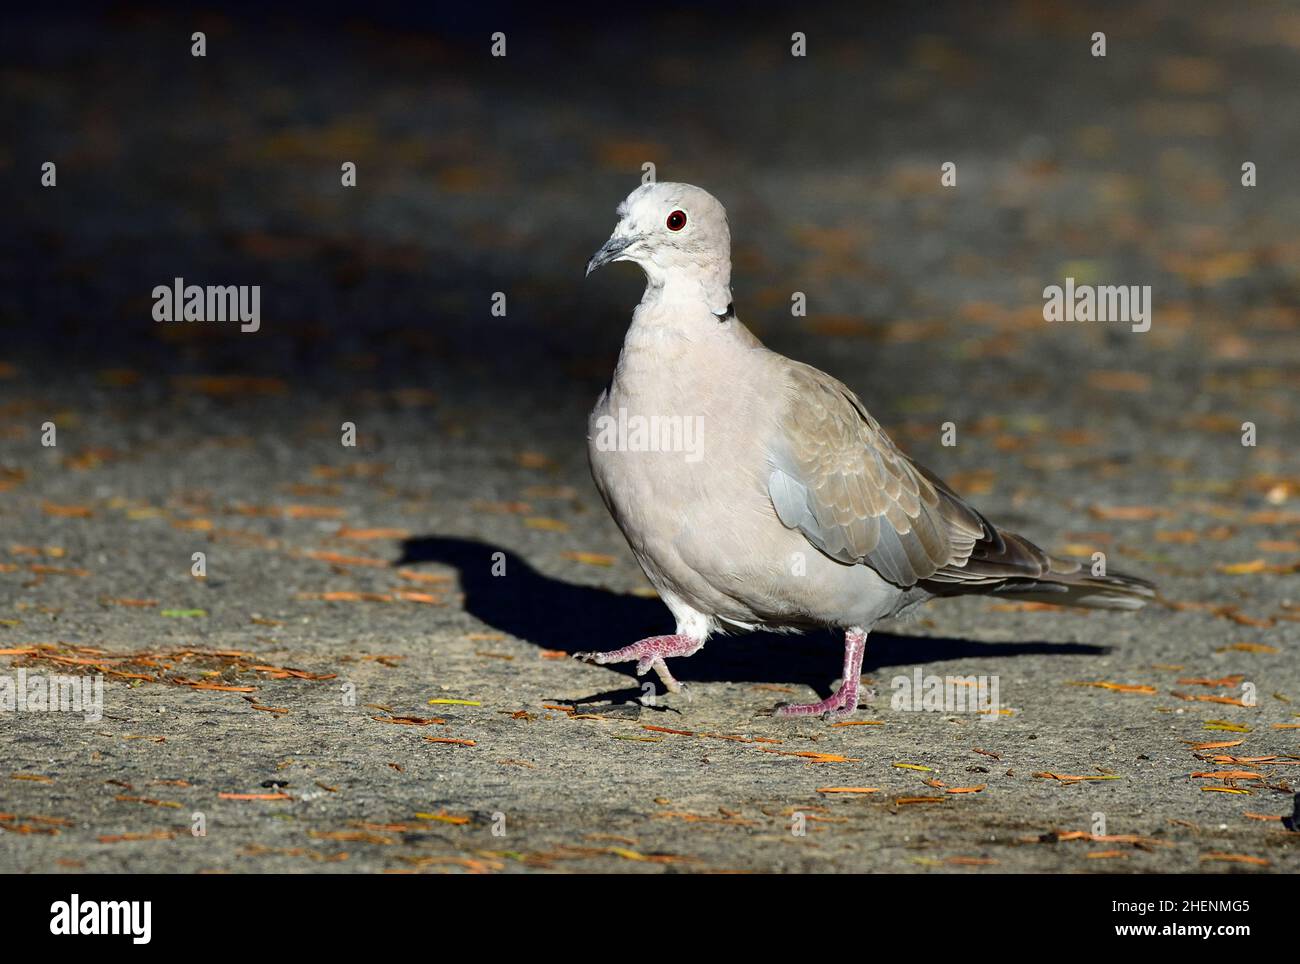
(479, 175)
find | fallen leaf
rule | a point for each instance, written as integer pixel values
(545, 524)
(1200, 698)
(67, 511)
(339, 559)
(419, 597)
(361, 535)
(410, 720)
(1226, 726)
(1119, 687)
(590, 558)
(346, 596)
(1134, 513)
(1236, 859)
(425, 577)
(351, 836)
(813, 756)
(443, 818)
(254, 796)
(124, 798)
(1254, 566)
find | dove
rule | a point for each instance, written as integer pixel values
(793, 510)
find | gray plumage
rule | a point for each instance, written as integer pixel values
(799, 510)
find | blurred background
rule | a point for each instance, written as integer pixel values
(479, 174)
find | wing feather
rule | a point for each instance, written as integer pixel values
(840, 480)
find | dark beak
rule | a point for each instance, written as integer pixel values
(608, 252)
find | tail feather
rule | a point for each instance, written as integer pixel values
(1115, 591)
(1009, 565)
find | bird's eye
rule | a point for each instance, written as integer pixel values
(676, 220)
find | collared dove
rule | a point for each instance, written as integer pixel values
(793, 509)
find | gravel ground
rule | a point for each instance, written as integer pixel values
(459, 551)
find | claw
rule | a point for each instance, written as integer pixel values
(648, 654)
(828, 709)
(844, 700)
(665, 677)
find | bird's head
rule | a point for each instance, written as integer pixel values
(678, 234)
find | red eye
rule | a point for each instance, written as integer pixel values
(676, 220)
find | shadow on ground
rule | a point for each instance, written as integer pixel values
(558, 615)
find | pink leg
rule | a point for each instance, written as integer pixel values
(845, 699)
(650, 653)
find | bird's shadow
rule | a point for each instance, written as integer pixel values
(505, 592)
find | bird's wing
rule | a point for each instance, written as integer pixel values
(838, 479)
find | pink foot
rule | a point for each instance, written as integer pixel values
(845, 699)
(649, 653)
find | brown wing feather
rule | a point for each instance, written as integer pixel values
(840, 480)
